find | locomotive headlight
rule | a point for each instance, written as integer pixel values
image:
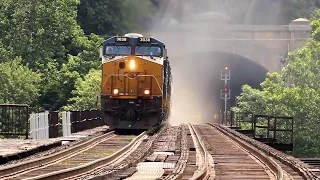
(132, 64)
(115, 91)
(146, 92)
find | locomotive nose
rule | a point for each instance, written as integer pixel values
(131, 115)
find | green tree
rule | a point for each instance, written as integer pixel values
(301, 8)
(303, 74)
(100, 16)
(57, 86)
(295, 94)
(87, 58)
(251, 100)
(111, 17)
(86, 94)
(137, 15)
(61, 82)
(37, 30)
(47, 37)
(19, 84)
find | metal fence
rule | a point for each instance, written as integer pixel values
(14, 120)
(44, 125)
(49, 125)
(275, 131)
(227, 118)
(39, 127)
(82, 120)
(55, 124)
(274, 128)
(66, 123)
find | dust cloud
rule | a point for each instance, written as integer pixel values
(196, 75)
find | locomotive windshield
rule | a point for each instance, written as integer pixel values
(147, 51)
(118, 50)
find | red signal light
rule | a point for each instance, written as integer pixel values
(225, 89)
(226, 68)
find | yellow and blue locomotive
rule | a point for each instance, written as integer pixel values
(136, 82)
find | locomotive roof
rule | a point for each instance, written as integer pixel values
(132, 39)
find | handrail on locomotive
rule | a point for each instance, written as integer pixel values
(137, 77)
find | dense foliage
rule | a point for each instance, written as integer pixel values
(295, 94)
(109, 17)
(47, 38)
(87, 92)
(45, 35)
(301, 8)
(19, 84)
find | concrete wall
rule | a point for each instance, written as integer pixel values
(263, 44)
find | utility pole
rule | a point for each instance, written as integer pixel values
(225, 92)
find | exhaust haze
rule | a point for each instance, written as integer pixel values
(196, 69)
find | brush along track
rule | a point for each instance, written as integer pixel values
(81, 159)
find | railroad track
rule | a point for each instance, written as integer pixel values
(213, 154)
(312, 161)
(313, 165)
(235, 159)
(203, 172)
(207, 152)
(161, 157)
(175, 152)
(293, 167)
(75, 161)
(171, 159)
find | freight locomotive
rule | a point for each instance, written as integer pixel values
(136, 82)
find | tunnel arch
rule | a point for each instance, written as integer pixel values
(261, 52)
(197, 84)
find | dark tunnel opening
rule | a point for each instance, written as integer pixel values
(197, 82)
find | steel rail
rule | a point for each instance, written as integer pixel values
(18, 168)
(205, 171)
(275, 167)
(75, 171)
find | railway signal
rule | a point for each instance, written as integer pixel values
(225, 92)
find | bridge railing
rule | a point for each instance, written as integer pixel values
(274, 130)
(14, 121)
(54, 124)
(75, 121)
(45, 125)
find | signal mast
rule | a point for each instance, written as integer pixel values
(225, 92)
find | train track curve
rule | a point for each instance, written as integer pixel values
(77, 160)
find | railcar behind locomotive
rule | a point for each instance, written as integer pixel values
(136, 82)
